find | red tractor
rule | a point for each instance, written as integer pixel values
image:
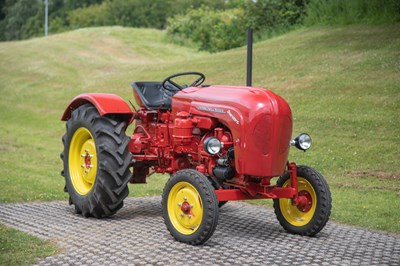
(218, 143)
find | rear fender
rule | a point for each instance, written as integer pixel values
(104, 103)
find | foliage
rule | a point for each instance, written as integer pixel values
(270, 14)
(219, 30)
(211, 25)
(341, 12)
(22, 19)
(17, 15)
(209, 29)
(95, 15)
(138, 13)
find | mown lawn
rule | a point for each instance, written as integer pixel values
(342, 83)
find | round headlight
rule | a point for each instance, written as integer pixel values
(212, 145)
(302, 141)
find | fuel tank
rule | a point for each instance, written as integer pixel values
(260, 122)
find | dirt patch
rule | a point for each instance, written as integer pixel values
(376, 174)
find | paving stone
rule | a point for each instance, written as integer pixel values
(245, 235)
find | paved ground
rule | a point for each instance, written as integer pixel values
(246, 235)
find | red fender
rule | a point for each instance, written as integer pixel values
(105, 104)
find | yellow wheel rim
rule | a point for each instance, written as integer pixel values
(185, 208)
(82, 161)
(299, 215)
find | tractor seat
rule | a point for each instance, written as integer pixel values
(152, 95)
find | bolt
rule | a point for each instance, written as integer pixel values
(91, 155)
(179, 204)
(91, 166)
(83, 166)
(86, 171)
(184, 198)
(86, 150)
(182, 215)
(83, 155)
(189, 216)
(191, 206)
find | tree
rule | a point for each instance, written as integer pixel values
(17, 13)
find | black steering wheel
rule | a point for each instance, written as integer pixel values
(168, 81)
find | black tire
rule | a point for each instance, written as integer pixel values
(104, 196)
(316, 217)
(185, 183)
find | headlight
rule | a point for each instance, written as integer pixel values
(212, 145)
(302, 141)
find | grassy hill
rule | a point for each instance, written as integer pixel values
(342, 83)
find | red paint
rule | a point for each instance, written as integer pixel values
(254, 126)
(104, 103)
(304, 201)
(237, 194)
(185, 208)
(260, 122)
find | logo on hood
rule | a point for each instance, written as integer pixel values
(233, 117)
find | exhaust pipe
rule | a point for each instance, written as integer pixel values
(249, 56)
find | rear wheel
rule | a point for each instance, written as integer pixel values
(96, 162)
(312, 213)
(190, 207)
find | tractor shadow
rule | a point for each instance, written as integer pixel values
(236, 220)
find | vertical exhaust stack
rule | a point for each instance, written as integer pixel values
(249, 56)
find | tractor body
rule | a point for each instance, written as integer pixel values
(218, 143)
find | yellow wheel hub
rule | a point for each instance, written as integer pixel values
(303, 213)
(185, 208)
(82, 161)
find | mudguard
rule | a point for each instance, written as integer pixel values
(105, 104)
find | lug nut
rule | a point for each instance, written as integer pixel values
(184, 198)
(182, 215)
(179, 204)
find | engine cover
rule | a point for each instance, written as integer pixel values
(260, 122)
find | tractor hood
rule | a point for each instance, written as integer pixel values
(260, 122)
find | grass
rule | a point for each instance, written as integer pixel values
(342, 83)
(15, 244)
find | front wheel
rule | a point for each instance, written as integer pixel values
(312, 213)
(190, 207)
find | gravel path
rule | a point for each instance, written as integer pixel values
(246, 235)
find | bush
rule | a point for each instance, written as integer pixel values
(221, 30)
(95, 15)
(208, 29)
(350, 12)
(266, 15)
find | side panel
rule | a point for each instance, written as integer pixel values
(105, 104)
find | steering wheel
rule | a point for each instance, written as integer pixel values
(168, 81)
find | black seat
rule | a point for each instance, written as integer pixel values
(153, 95)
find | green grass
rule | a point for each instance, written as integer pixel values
(18, 248)
(342, 83)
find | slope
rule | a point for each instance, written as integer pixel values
(343, 85)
